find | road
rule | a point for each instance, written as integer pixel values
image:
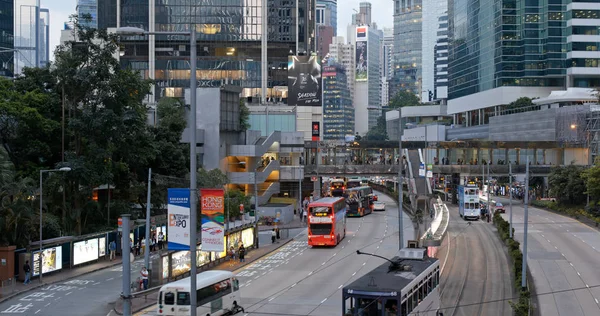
(563, 254)
(298, 280)
(475, 268)
(90, 295)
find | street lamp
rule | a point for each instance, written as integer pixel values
(63, 169)
(192, 125)
(243, 163)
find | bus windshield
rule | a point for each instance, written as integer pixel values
(353, 184)
(337, 184)
(320, 211)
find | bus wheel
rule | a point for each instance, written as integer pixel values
(338, 239)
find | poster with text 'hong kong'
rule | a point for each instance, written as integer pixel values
(213, 218)
(178, 237)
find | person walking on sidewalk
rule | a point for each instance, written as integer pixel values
(273, 236)
(242, 253)
(112, 247)
(144, 274)
(27, 270)
(160, 241)
(231, 256)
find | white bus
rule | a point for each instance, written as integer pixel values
(217, 294)
(468, 202)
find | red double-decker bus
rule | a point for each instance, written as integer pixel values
(326, 221)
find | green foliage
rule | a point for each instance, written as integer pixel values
(378, 132)
(567, 184)
(404, 98)
(521, 307)
(519, 103)
(592, 181)
(211, 179)
(244, 116)
(233, 199)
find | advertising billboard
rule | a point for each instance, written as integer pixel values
(51, 260)
(102, 246)
(248, 237)
(213, 216)
(85, 251)
(329, 71)
(316, 130)
(304, 81)
(179, 219)
(181, 262)
(165, 269)
(234, 240)
(361, 61)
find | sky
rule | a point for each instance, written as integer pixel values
(61, 9)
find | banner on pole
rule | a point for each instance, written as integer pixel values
(213, 219)
(179, 219)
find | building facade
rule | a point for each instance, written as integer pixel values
(432, 11)
(31, 36)
(6, 38)
(338, 112)
(326, 14)
(344, 55)
(583, 43)
(87, 13)
(387, 64)
(441, 59)
(407, 47)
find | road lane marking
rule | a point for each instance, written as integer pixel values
(39, 310)
(272, 298)
(579, 274)
(555, 247)
(294, 284)
(353, 274)
(595, 299)
(110, 279)
(47, 304)
(339, 287)
(323, 301)
(68, 293)
(570, 263)
(364, 263)
(587, 286)
(323, 263)
(311, 272)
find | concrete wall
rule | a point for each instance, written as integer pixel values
(473, 132)
(286, 212)
(361, 104)
(208, 118)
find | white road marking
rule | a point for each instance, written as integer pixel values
(294, 284)
(334, 254)
(272, 298)
(311, 272)
(256, 278)
(377, 247)
(339, 287)
(323, 263)
(47, 304)
(110, 279)
(364, 263)
(343, 247)
(555, 247)
(39, 310)
(570, 263)
(542, 235)
(595, 299)
(579, 274)
(587, 286)
(562, 254)
(353, 274)
(323, 301)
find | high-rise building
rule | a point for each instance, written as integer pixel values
(338, 112)
(407, 47)
(367, 88)
(523, 50)
(326, 20)
(387, 63)
(6, 37)
(441, 59)
(344, 55)
(87, 13)
(31, 37)
(431, 11)
(229, 43)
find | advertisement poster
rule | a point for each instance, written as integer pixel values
(212, 213)
(304, 81)
(85, 251)
(102, 246)
(181, 262)
(234, 240)
(202, 257)
(421, 170)
(51, 260)
(248, 237)
(429, 171)
(165, 267)
(179, 219)
(361, 61)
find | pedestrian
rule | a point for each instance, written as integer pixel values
(112, 247)
(160, 240)
(273, 236)
(144, 274)
(304, 214)
(277, 233)
(231, 255)
(153, 244)
(27, 269)
(242, 253)
(144, 242)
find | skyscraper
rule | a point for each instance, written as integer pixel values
(387, 63)
(87, 12)
(441, 59)
(343, 54)
(338, 113)
(432, 10)
(407, 47)
(6, 37)
(326, 19)
(31, 38)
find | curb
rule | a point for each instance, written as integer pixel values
(37, 286)
(138, 310)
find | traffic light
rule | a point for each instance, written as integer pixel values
(430, 95)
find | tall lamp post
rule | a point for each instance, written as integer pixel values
(243, 163)
(193, 161)
(63, 169)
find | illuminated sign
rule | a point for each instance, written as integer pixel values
(321, 214)
(320, 219)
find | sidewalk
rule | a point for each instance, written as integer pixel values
(141, 305)
(11, 291)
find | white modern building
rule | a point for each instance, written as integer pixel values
(441, 60)
(432, 11)
(31, 35)
(344, 54)
(387, 63)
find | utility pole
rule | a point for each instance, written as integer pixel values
(488, 192)
(147, 250)
(510, 233)
(193, 169)
(400, 183)
(126, 266)
(525, 224)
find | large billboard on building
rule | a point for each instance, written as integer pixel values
(179, 219)
(304, 81)
(213, 218)
(361, 61)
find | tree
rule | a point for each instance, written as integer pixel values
(404, 98)
(233, 199)
(244, 116)
(592, 181)
(567, 184)
(520, 103)
(378, 132)
(214, 178)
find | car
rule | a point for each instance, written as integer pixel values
(499, 208)
(378, 206)
(375, 198)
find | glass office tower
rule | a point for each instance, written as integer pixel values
(31, 37)
(338, 112)
(6, 38)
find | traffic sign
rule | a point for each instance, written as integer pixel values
(313, 178)
(120, 224)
